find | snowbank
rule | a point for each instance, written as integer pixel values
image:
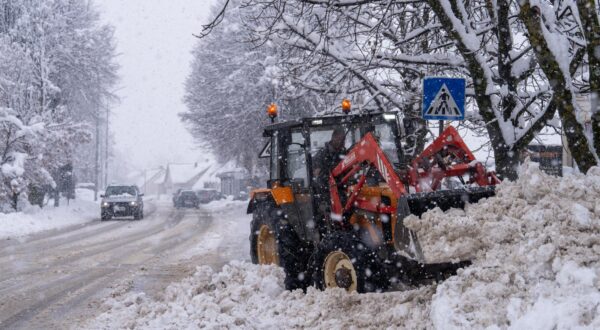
(33, 219)
(226, 204)
(536, 255)
(536, 259)
(248, 296)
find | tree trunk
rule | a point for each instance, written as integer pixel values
(574, 132)
(15, 201)
(506, 157)
(576, 139)
(507, 163)
(591, 29)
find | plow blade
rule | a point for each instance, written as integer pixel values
(405, 239)
(415, 273)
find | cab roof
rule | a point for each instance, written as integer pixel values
(323, 121)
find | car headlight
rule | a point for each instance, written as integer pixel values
(104, 204)
(133, 203)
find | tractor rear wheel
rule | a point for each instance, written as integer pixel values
(274, 241)
(343, 261)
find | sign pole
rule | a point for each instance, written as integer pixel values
(441, 127)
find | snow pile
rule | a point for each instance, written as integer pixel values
(536, 255)
(248, 296)
(34, 219)
(536, 259)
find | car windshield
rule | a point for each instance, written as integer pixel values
(120, 190)
(188, 193)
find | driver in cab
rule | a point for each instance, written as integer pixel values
(324, 161)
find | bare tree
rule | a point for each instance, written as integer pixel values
(385, 48)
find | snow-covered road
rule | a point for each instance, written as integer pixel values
(57, 279)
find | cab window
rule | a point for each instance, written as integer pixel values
(296, 160)
(387, 141)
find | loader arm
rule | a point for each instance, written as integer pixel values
(447, 156)
(364, 155)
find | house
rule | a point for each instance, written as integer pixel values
(148, 180)
(183, 176)
(237, 182)
(231, 182)
(153, 179)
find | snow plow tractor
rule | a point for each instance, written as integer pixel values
(342, 226)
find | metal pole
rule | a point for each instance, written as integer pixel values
(441, 127)
(97, 160)
(106, 148)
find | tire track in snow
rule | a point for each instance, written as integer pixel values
(69, 292)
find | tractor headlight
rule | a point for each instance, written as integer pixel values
(105, 204)
(133, 203)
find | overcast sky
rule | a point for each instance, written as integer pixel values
(154, 41)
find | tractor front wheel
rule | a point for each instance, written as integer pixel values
(344, 261)
(263, 242)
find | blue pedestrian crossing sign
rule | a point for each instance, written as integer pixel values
(443, 98)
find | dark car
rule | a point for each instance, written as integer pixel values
(208, 195)
(122, 201)
(187, 198)
(176, 196)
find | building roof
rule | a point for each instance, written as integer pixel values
(149, 176)
(209, 176)
(185, 174)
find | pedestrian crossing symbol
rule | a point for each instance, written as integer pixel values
(443, 98)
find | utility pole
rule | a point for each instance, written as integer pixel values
(106, 140)
(97, 160)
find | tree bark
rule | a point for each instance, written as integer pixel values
(591, 29)
(576, 139)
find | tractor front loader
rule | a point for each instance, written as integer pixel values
(358, 240)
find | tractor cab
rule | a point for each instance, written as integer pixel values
(294, 145)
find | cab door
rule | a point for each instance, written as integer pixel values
(296, 173)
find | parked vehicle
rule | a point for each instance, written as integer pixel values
(208, 195)
(175, 197)
(187, 198)
(122, 201)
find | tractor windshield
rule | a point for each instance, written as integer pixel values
(320, 136)
(383, 131)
